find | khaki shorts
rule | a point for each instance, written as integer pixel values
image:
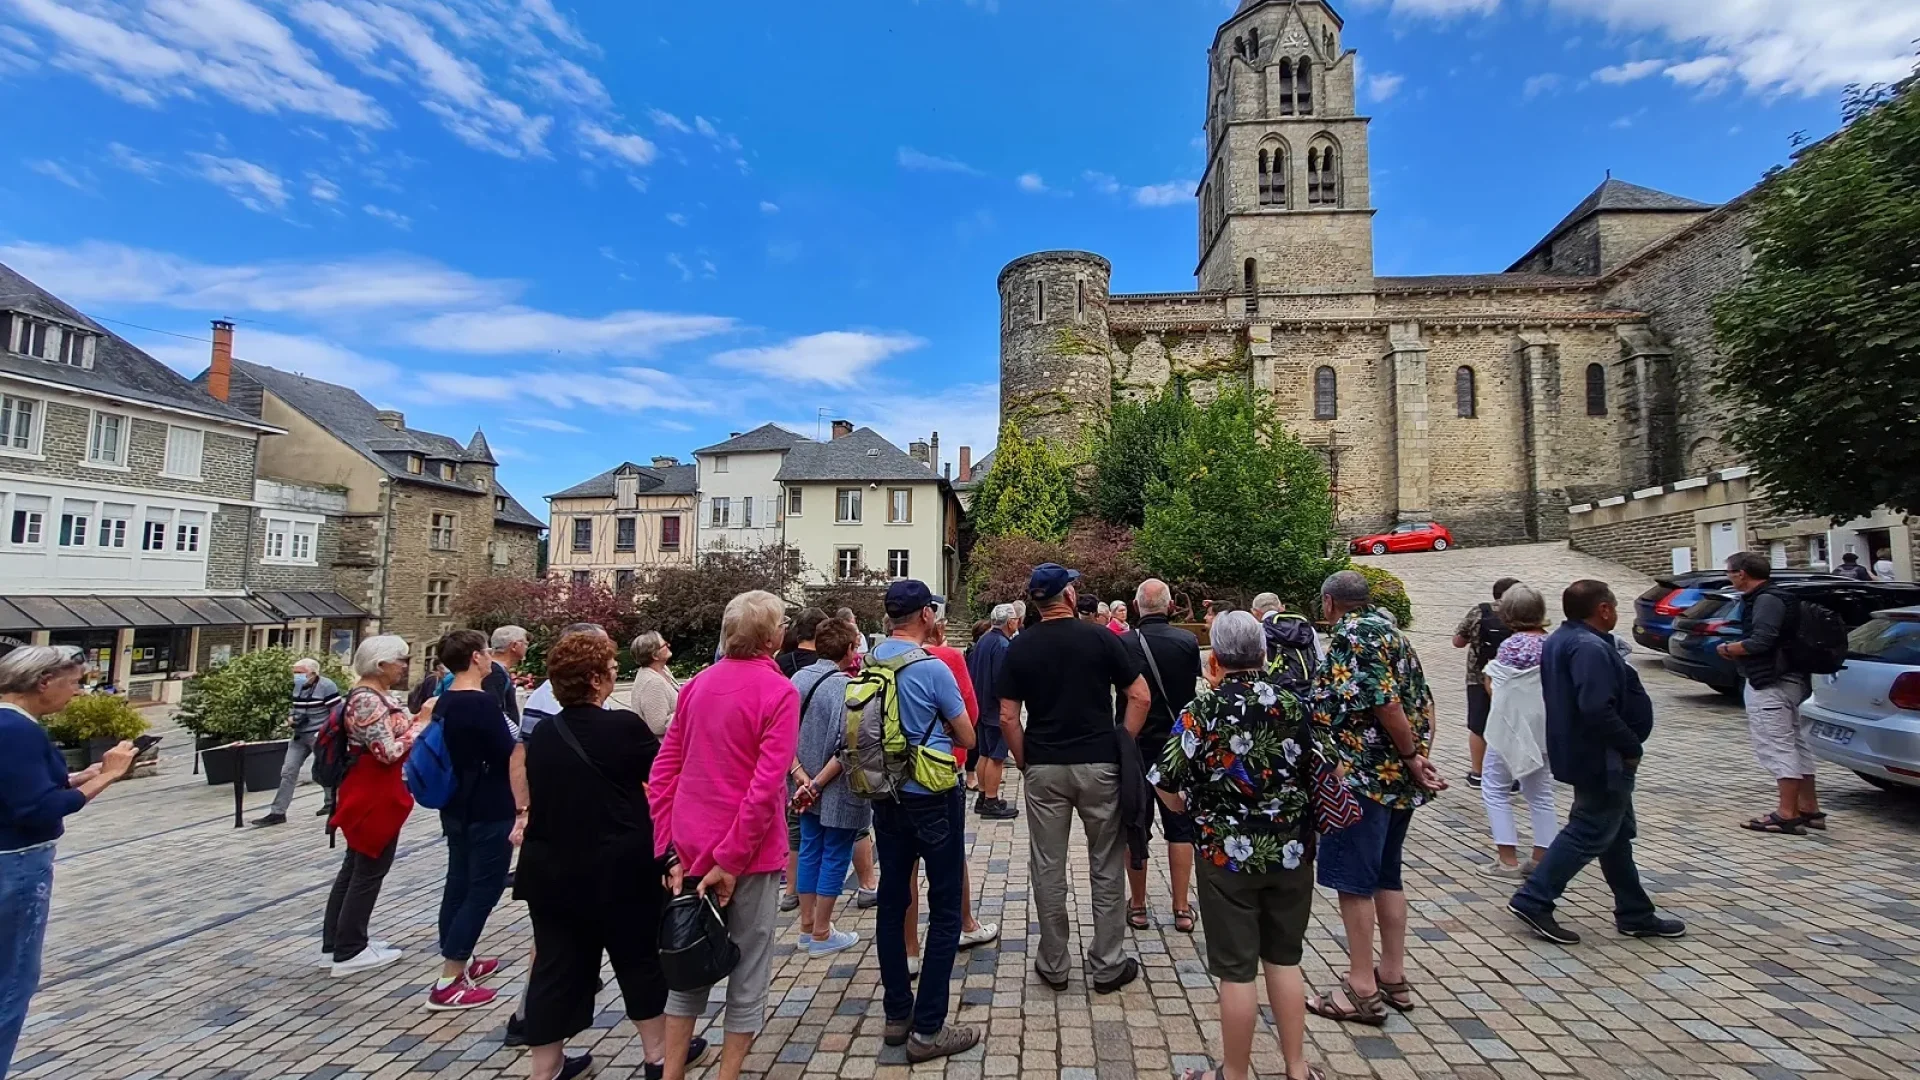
(1253, 917)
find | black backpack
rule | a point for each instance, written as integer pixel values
(1814, 641)
(333, 751)
(1486, 645)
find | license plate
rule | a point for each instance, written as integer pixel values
(1833, 733)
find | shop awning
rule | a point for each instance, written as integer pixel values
(29, 613)
(312, 605)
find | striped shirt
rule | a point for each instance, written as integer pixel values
(312, 704)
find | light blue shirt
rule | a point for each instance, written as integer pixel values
(929, 695)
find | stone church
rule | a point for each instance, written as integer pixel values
(1490, 402)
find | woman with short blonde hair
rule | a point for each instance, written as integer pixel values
(753, 624)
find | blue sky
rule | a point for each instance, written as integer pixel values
(607, 230)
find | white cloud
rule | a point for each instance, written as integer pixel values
(1632, 71)
(392, 217)
(541, 423)
(1032, 183)
(769, 208)
(1171, 193)
(624, 389)
(677, 219)
(562, 81)
(315, 357)
(719, 138)
(667, 120)
(515, 329)
(632, 149)
(1537, 85)
(1438, 8)
(1708, 72)
(965, 414)
(124, 157)
(1384, 85)
(321, 189)
(837, 358)
(257, 187)
(918, 161)
(78, 178)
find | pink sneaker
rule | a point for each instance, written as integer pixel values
(460, 994)
(479, 970)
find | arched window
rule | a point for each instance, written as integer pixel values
(1303, 86)
(1323, 175)
(1240, 46)
(1326, 394)
(1253, 44)
(1273, 177)
(1286, 87)
(1463, 394)
(1251, 277)
(1596, 390)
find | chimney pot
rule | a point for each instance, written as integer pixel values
(842, 428)
(391, 419)
(966, 464)
(220, 370)
(665, 462)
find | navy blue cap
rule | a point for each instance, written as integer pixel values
(1049, 580)
(906, 598)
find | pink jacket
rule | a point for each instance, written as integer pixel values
(719, 787)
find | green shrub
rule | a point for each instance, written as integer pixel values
(1389, 592)
(95, 716)
(248, 698)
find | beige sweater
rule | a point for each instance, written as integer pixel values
(655, 695)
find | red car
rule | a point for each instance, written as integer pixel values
(1417, 536)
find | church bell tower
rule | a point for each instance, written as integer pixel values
(1285, 204)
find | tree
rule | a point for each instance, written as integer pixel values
(1028, 491)
(686, 603)
(1244, 506)
(1102, 553)
(543, 608)
(1820, 345)
(1132, 453)
(250, 697)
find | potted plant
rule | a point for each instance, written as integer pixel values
(92, 724)
(246, 701)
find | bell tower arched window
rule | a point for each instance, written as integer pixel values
(1463, 394)
(1303, 85)
(1286, 87)
(1273, 176)
(1251, 277)
(1323, 175)
(1326, 394)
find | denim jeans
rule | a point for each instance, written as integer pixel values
(1601, 826)
(931, 829)
(825, 853)
(477, 856)
(299, 748)
(26, 891)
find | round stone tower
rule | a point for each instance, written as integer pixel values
(1056, 362)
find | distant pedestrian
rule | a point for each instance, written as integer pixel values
(847, 616)
(477, 821)
(831, 817)
(1850, 568)
(508, 644)
(1774, 693)
(1066, 673)
(1517, 737)
(1480, 633)
(1293, 652)
(655, 693)
(1171, 659)
(1090, 609)
(802, 655)
(1118, 623)
(1598, 721)
(314, 697)
(1373, 707)
(984, 663)
(1883, 565)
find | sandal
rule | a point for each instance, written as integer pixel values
(1815, 820)
(1138, 919)
(1776, 825)
(1398, 996)
(1183, 921)
(1370, 1010)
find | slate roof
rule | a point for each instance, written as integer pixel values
(863, 456)
(118, 368)
(1618, 196)
(673, 480)
(514, 514)
(764, 437)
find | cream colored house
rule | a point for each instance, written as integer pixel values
(858, 507)
(629, 519)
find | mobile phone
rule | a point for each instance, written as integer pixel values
(145, 743)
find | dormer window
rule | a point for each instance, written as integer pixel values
(50, 341)
(415, 463)
(500, 504)
(447, 470)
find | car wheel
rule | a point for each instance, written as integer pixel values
(1439, 544)
(1378, 548)
(1880, 782)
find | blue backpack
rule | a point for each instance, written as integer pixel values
(429, 768)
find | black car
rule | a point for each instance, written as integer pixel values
(1692, 649)
(1655, 610)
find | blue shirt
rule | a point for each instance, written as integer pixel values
(983, 665)
(929, 695)
(34, 796)
(1598, 714)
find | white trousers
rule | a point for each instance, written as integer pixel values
(1496, 790)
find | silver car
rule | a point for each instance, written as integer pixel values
(1867, 716)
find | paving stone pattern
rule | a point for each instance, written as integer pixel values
(180, 948)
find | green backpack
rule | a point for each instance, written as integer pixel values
(877, 757)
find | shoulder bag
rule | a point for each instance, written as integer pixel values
(695, 951)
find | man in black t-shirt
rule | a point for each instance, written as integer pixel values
(1067, 672)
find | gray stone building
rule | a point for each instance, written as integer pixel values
(130, 523)
(1490, 402)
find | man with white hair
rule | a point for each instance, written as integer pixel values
(314, 697)
(1172, 660)
(509, 647)
(983, 664)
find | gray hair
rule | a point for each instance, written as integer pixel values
(1348, 588)
(1522, 608)
(1239, 643)
(307, 663)
(1152, 597)
(1266, 602)
(506, 637)
(646, 646)
(25, 668)
(1003, 614)
(377, 650)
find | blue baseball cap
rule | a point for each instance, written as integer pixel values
(906, 598)
(1050, 580)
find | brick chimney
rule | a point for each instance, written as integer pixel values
(842, 428)
(391, 419)
(220, 371)
(933, 452)
(665, 462)
(966, 464)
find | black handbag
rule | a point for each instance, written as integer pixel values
(695, 951)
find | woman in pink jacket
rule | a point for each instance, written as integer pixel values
(718, 794)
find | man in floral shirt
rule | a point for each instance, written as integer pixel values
(1241, 762)
(1371, 702)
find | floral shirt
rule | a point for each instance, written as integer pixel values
(379, 725)
(1522, 650)
(1370, 663)
(1235, 755)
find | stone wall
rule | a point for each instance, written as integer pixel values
(1055, 373)
(283, 577)
(226, 462)
(412, 561)
(522, 549)
(1644, 543)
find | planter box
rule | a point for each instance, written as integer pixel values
(257, 763)
(76, 758)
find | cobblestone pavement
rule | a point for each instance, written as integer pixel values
(181, 948)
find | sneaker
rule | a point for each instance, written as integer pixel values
(865, 899)
(368, 959)
(835, 941)
(1474, 780)
(998, 810)
(459, 994)
(948, 1041)
(574, 1067)
(324, 958)
(516, 1035)
(1500, 871)
(1545, 926)
(1129, 971)
(480, 970)
(790, 902)
(913, 967)
(896, 1032)
(1656, 926)
(269, 821)
(980, 935)
(697, 1049)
